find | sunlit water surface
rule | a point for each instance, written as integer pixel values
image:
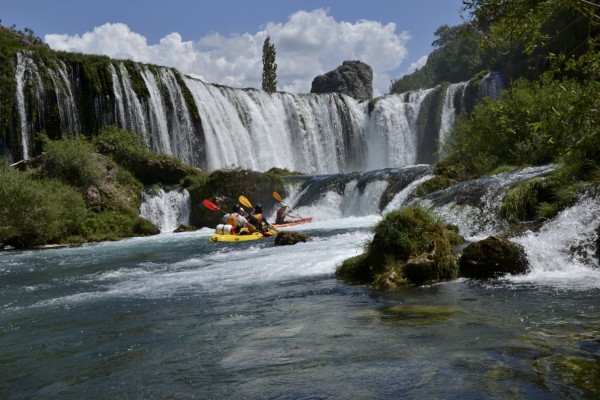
(174, 316)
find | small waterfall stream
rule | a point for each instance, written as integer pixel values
(167, 210)
(26, 74)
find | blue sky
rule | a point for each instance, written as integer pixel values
(221, 41)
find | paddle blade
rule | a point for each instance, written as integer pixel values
(277, 197)
(210, 205)
(245, 202)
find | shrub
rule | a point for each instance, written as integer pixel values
(36, 212)
(71, 161)
(114, 226)
(533, 123)
(120, 144)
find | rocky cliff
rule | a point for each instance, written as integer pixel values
(354, 78)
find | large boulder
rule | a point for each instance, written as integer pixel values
(160, 170)
(491, 258)
(353, 78)
(410, 247)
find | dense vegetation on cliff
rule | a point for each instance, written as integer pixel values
(549, 114)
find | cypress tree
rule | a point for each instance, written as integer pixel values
(269, 76)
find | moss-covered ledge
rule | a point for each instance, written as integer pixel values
(410, 247)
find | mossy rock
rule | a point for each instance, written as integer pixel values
(286, 238)
(185, 228)
(160, 169)
(493, 257)
(410, 247)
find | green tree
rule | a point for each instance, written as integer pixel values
(562, 34)
(458, 57)
(269, 76)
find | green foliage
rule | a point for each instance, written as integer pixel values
(120, 144)
(533, 123)
(458, 57)
(195, 182)
(404, 233)
(126, 149)
(72, 161)
(36, 212)
(521, 201)
(562, 34)
(401, 235)
(114, 226)
(269, 75)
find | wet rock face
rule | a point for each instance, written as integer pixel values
(491, 258)
(353, 78)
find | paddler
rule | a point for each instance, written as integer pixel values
(258, 219)
(281, 214)
(237, 220)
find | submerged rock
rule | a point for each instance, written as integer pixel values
(185, 228)
(491, 258)
(288, 238)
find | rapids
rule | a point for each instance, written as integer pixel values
(176, 316)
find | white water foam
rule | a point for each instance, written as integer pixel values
(226, 269)
(550, 251)
(166, 210)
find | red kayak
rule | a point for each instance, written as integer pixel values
(292, 223)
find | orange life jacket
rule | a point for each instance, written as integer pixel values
(232, 220)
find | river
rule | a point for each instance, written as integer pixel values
(175, 316)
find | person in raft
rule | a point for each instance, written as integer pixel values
(284, 211)
(258, 220)
(237, 220)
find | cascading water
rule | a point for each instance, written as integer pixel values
(450, 110)
(256, 130)
(392, 130)
(473, 205)
(565, 252)
(26, 73)
(166, 210)
(215, 127)
(157, 116)
(181, 128)
(355, 194)
(69, 119)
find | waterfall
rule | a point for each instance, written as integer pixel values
(355, 194)
(392, 130)
(256, 130)
(490, 86)
(183, 142)
(473, 205)
(26, 73)
(215, 127)
(69, 120)
(166, 210)
(157, 115)
(450, 110)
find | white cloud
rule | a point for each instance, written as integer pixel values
(417, 65)
(307, 45)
